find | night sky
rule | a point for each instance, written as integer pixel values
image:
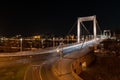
(55, 16)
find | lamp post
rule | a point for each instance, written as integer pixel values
(60, 51)
(53, 42)
(21, 44)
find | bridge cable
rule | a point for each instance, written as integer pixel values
(99, 27)
(85, 28)
(87, 32)
(72, 28)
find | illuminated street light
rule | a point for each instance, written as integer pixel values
(21, 44)
(53, 41)
(60, 51)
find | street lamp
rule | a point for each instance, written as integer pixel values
(53, 41)
(60, 51)
(21, 44)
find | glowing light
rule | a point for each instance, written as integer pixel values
(58, 50)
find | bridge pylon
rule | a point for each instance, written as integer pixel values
(107, 33)
(88, 18)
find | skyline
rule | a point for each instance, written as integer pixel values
(56, 17)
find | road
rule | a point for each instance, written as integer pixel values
(46, 72)
(33, 73)
(14, 68)
(43, 58)
(50, 73)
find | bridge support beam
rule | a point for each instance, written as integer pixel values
(81, 19)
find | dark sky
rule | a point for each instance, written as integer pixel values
(55, 16)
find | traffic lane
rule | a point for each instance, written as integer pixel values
(33, 73)
(46, 70)
(34, 70)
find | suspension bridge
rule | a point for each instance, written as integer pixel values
(67, 53)
(83, 34)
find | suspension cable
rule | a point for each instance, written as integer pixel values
(72, 28)
(85, 28)
(99, 27)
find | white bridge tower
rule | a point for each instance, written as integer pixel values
(81, 19)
